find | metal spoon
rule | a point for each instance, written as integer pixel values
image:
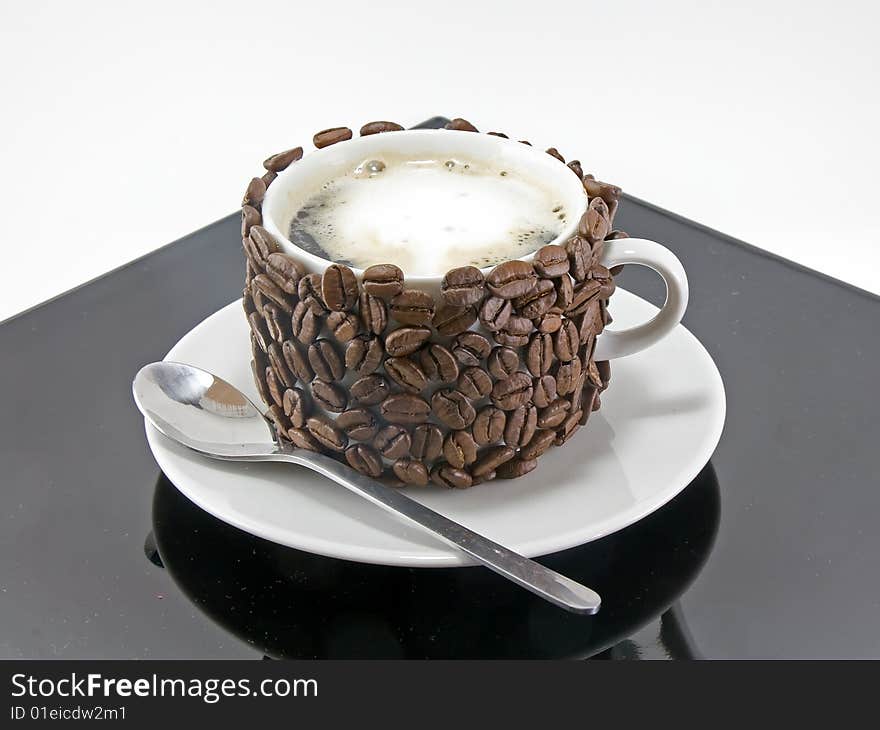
(210, 416)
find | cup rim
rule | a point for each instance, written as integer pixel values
(360, 147)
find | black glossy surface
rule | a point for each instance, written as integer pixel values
(790, 571)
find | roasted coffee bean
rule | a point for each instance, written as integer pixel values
(377, 127)
(596, 222)
(363, 355)
(330, 396)
(364, 459)
(255, 262)
(407, 374)
(259, 330)
(325, 361)
(593, 375)
(513, 392)
(616, 234)
(603, 276)
(553, 152)
(271, 291)
(539, 354)
(538, 301)
(296, 406)
(541, 441)
(474, 383)
(550, 323)
(564, 293)
(508, 340)
(393, 442)
(459, 449)
(438, 363)
(274, 386)
(489, 425)
(575, 166)
(304, 323)
(589, 322)
(327, 433)
(373, 313)
(276, 361)
(427, 440)
(502, 362)
(470, 348)
(450, 320)
(521, 424)
(544, 390)
(412, 306)
(516, 468)
(309, 290)
(567, 376)
(579, 252)
(453, 408)
(370, 389)
(344, 326)
(583, 293)
(247, 302)
(461, 125)
(517, 325)
(277, 322)
(491, 458)
(282, 160)
(596, 268)
(487, 477)
(256, 191)
(554, 414)
(383, 280)
(495, 312)
(603, 367)
(278, 419)
(568, 427)
(250, 217)
(298, 361)
(511, 279)
(405, 408)
(359, 424)
(577, 392)
(406, 340)
(302, 439)
(551, 261)
(498, 134)
(566, 341)
(609, 193)
(463, 287)
(339, 288)
(410, 471)
(263, 243)
(268, 178)
(446, 475)
(326, 137)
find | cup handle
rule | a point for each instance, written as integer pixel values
(620, 343)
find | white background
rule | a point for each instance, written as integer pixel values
(125, 125)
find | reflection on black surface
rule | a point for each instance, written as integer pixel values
(288, 603)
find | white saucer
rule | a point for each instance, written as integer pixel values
(660, 421)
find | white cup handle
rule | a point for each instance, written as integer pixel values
(620, 343)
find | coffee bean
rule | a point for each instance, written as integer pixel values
(491, 458)
(567, 376)
(279, 421)
(297, 361)
(412, 306)
(461, 125)
(589, 323)
(518, 326)
(256, 191)
(268, 178)
(551, 261)
(250, 216)
(304, 323)
(544, 390)
(282, 160)
(274, 386)
(575, 166)
(495, 312)
(597, 270)
(487, 477)
(427, 440)
(583, 293)
(553, 152)
(554, 414)
(302, 439)
(325, 361)
(474, 383)
(502, 362)
(393, 442)
(407, 374)
(410, 471)
(579, 252)
(406, 340)
(364, 355)
(513, 392)
(271, 291)
(463, 287)
(438, 363)
(489, 425)
(330, 396)
(564, 292)
(276, 360)
(405, 408)
(566, 341)
(577, 392)
(446, 475)
(595, 224)
(452, 408)
(364, 459)
(603, 276)
(568, 428)
(285, 271)
(511, 279)
(450, 320)
(359, 424)
(469, 348)
(541, 441)
(327, 433)
(383, 280)
(614, 236)
(259, 330)
(277, 322)
(550, 322)
(258, 369)
(339, 287)
(539, 354)
(508, 340)
(516, 468)
(603, 367)
(498, 134)
(330, 136)
(377, 127)
(609, 193)
(309, 290)
(459, 449)
(593, 375)
(344, 326)
(296, 406)
(521, 424)
(373, 313)
(370, 389)
(538, 301)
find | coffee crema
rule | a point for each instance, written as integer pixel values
(427, 216)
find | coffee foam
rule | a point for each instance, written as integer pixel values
(427, 216)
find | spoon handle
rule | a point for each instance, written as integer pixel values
(532, 576)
